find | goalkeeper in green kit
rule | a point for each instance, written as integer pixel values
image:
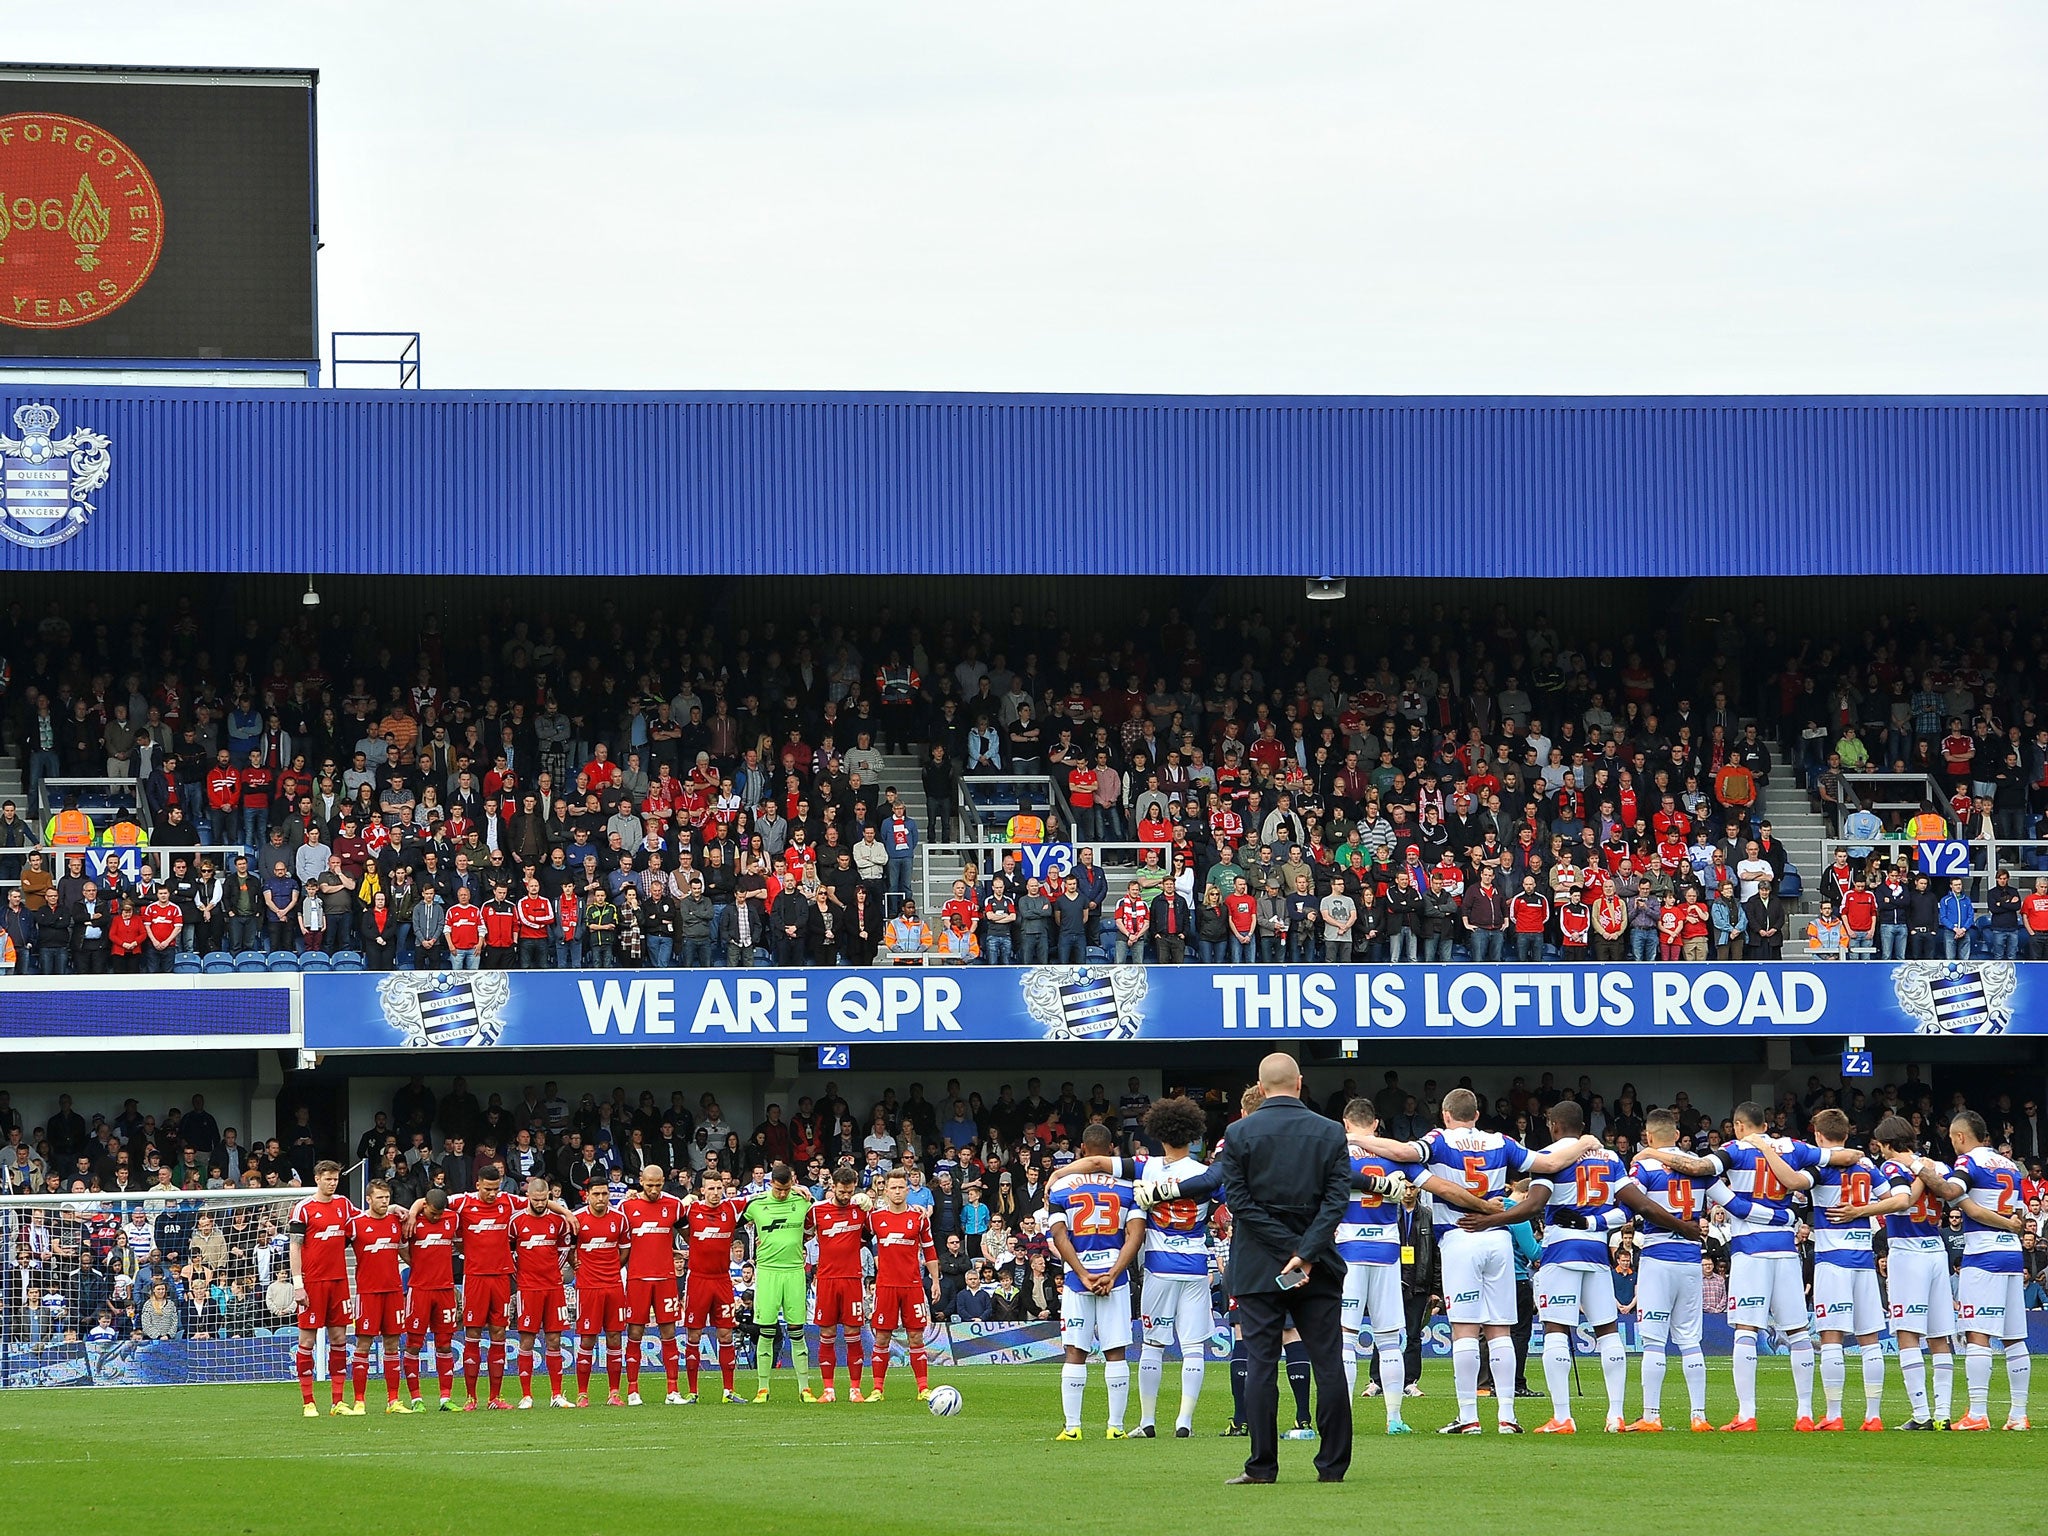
(779, 1219)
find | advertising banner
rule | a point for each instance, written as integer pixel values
(1081, 1003)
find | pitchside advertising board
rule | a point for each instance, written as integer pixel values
(458, 1010)
(157, 215)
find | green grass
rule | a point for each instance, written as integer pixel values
(242, 1459)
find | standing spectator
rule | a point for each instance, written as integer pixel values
(2003, 901)
(1170, 922)
(1957, 915)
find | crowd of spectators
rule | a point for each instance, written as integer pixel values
(1399, 786)
(978, 1164)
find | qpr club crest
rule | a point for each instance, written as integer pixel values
(446, 1008)
(46, 480)
(1957, 997)
(1086, 1002)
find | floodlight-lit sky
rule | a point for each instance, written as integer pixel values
(1186, 197)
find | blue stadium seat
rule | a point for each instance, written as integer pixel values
(217, 962)
(348, 960)
(1790, 886)
(250, 960)
(316, 960)
(186, 965)
(283, 960)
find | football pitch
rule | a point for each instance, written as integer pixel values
(244, 1459)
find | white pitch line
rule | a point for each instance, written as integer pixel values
(316, 1454)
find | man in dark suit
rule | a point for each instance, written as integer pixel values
(1288, 1173)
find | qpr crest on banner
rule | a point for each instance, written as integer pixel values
(1086, 1002)
(1957, 997)
(45, 480)
(446, 1008)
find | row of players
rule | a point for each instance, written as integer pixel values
(623, 1265)
(1582, 1192)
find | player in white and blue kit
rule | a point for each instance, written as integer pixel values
(1990, 1290)
(1097, 1228)
(1916, 1268)
(1478, 1267)
(1369, 1239)
(1846, 1299)
(1580, 1204)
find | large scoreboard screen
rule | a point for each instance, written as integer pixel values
(157, 214)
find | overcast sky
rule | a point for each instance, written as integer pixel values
(1187, 198)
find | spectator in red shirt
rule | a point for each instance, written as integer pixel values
(223, 798)
(126, 938)
(1241, 910)
(1859, 917)
(465, 928)
(2034, 918)
(534, 917)
(161, 923)
(258, 780)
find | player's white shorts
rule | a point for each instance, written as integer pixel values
(1372, 1299)
(1991, 1303)
(1479, 1276)
(1176, 1307)
(1089, 1322)
(1668, 1304)
(1767, 1290)
(1564, 1295)
(1846, 1300)
(1922, 1302)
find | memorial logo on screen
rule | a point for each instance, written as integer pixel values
(47, 481)
(81, 222)
(1957, 997)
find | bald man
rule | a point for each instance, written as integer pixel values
(1288, 1171)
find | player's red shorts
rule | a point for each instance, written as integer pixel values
(599, 1311)
(486, 1301)
(652, 1301)
(837, 1304)
(707, 1303)
(435, 1312)
(380, 1314)
(901, 1306)
(326, 1305)
(544, 1311)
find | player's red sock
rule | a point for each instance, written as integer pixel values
(362, 1373)
(525, 1371)
(671, 1361)
(337, 1372)
(412, 1366)
(444, 1364)
(555, 1370)
(690, 1363)
(391, 1382)
(613, 1358)
(302, 1361)
(881, 1365)
(727, 1359)
(828, 1360)
(853, 1361)
(497, 1369)
(632, 1365)
(917, 1364)
(472, 1364)
(586, 1355)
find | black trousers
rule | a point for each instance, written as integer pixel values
(1316, 1309)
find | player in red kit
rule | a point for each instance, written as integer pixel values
(483, 1224)
(906, 1260)
(433, 1307)
(840, 1225)
(651, 1221)
(539, 1234)
(319, 1232)
(599, 1235)
(710, 1221)
(378, 1237)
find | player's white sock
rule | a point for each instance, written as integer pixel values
(1654, 1361)
(1977, 1374)
(2019, 1375)
(1393, 1377)
(1151, 1367)
(1501, 1352)
(1745, 1374)
(1192, 1370)
(1913, 1366)
(1802, 1371)
(1350, 1363)
(1944, 1383)
(1873, 1380)
(1614, 1367)
(1465, 1373)
(1118, 1374)
(1695, 1367)
(1834, 1373)
(1073, 1385)
(1557, 1373)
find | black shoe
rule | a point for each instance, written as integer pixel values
(1470, 1427)
(1144, 1432)
(1510, 1427)
(1245, 1479)
(1236, 1431)
(1183, 1433)
(1329, 1477)
(1527, 1392)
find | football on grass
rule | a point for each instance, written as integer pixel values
(945, 1401)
